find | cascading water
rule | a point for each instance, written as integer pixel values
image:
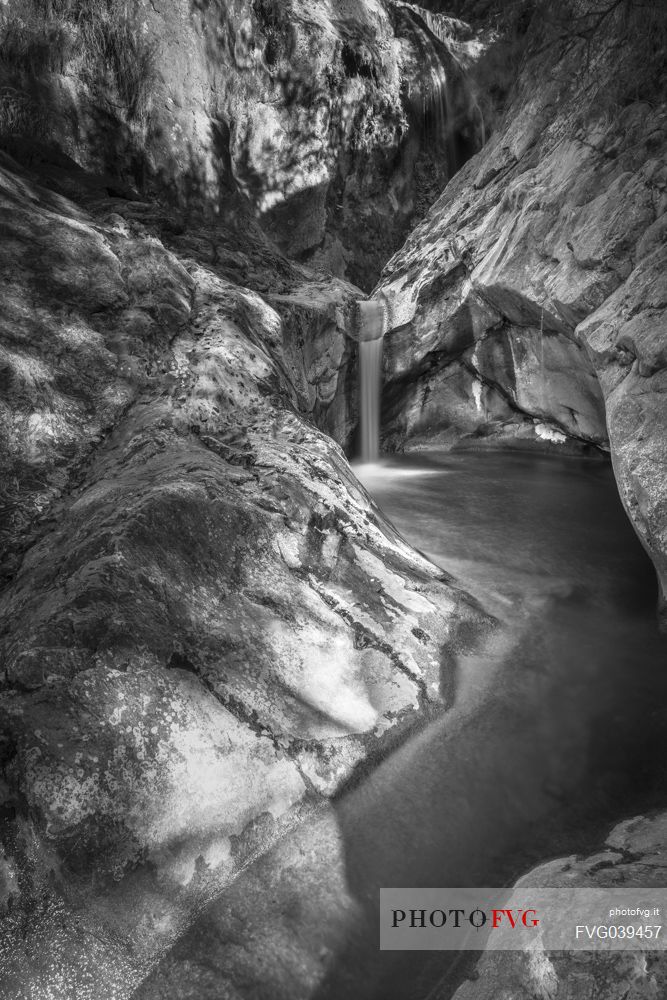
(452, 152)
(439, 24)
(543, 384)
(443, 117)
(432, 34)
(482, 126)
(437, 103)
(370, 366)
(370, 329)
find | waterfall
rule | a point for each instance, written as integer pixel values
(371, 325)
(370, 369)
(437, 111)
(449, 104)
(482, 126)
(431, 33)
(542, 380)
(450, 140)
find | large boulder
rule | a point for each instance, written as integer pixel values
(207, 627)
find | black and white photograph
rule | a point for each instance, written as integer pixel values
(333, 500)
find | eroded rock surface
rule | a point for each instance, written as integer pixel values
(206, 625)
(627, 340)
(528, 307)
(207, 628)
(322, 118)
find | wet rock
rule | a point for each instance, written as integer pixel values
(528, 307)
(626, 339)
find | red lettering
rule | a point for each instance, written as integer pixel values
(498, 917)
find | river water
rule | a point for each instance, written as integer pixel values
(557, 731)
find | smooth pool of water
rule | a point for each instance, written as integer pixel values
(557, 731)
(558, 727)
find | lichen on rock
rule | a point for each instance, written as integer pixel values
(207, 625)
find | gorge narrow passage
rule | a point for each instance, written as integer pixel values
(246, 683)
(555, 732)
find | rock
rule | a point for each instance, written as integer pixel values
(626, 339)
(208, 629)
(207, 625)
(528, 306)
(313, 120)
(83, 327)
(632, 857)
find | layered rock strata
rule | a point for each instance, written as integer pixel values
(527, 309)
(207, 627)
(326, 120)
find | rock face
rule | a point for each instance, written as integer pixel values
(627, 339)
(528, 306)
(207, 627)
(633, 856)
(320, 118)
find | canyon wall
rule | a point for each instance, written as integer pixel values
(319, 119)
(528, 308)
(207, 628)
